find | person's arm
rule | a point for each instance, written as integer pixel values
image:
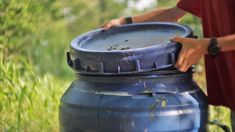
(193, 49)
(167, 15)
(160, 15)
(227, 43)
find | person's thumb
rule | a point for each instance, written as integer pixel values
(177, 39)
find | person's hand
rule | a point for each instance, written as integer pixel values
(192, 50)
(114, 23)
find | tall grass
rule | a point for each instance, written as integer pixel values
(29, 94)
(28, 102)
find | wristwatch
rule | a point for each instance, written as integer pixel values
(128, 20)
(214, 48)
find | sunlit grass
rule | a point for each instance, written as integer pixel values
(28, 102)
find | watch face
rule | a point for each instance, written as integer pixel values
(213, 48)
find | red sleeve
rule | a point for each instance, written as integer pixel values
(191, 6)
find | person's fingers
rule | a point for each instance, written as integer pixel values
(180, 58)
(185, 60)
(112, 23)
(107, 26)
(184, 66)
(189, 61)
(102, 26)
(178, 39)
(182, 52)
(188, 65)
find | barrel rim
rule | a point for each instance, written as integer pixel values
(125, 62)
(74, 43)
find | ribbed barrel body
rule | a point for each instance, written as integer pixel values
(150, 103)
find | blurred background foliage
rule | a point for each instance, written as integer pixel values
(34, 36)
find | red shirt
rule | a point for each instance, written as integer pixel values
(218, 19)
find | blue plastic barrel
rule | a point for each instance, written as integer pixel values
(126, 82)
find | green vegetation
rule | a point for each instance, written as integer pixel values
(34, 36)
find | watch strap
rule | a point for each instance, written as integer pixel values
(128, 20)
(214, 48)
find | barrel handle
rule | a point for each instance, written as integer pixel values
(222, 126)
(69, 61)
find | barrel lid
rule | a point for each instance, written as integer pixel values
(128, 49)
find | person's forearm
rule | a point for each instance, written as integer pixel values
(167, 15)
(227, 43)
